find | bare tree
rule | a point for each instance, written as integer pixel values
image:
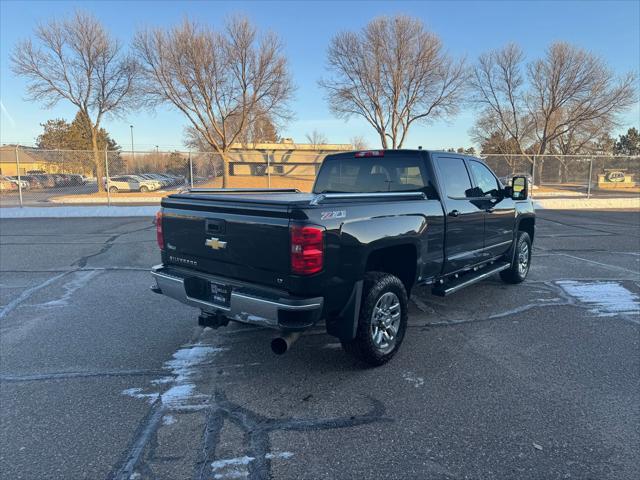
(77, 60)
(221, 81)
(358, 142)
(392, 73)
(316, 138)
(568, 92)
(498, 86)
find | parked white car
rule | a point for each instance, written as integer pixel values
(131, 183)
(23, 183)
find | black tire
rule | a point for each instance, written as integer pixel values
(376, 286)
(113, 189)
(144, 189)
(520, 262)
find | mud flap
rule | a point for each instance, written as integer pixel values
(345, 325)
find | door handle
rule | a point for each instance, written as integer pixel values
(490, 210)
(454, 213)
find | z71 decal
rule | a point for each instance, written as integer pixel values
(333, 214)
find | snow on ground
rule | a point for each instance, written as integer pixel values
(605, 299)
(179, 380)
(584, 204)
(78, 211)
(237, 467)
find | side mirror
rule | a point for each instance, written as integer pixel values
(520, 188)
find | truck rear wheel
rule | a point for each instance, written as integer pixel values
(382, 322)
(521, 261)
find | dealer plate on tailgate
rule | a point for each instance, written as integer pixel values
(220, 294)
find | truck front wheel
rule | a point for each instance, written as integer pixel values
(383, 319)
(520, 262)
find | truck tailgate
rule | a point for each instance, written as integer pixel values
(227, 233)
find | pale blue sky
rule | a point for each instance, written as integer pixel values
(609, 29)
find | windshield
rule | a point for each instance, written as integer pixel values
(371, 174)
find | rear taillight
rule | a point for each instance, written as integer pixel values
(307, 249)
(159, 234)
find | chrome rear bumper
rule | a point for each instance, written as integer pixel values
(248, 303)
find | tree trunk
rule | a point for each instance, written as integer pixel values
(225, 169)
(98, 158)
(383, 140)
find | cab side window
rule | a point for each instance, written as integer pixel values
(455, 177)
(486, 183)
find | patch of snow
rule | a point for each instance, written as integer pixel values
(220, 464)
(284, 455)
(232, 467)
(79, 281)
(605, 299)
(168, 420)
(78, 211)
(162, 380)
(181, 368)
(412, 378)
(186, 359)
(587, 204)
(232, 474)
(178, 394)
(137, 393)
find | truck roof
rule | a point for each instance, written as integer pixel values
(393, 152)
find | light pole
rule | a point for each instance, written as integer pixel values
(132, 154)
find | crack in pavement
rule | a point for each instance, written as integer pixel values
(35, 377)
(257, 428)
(110, 242)
(139, 372)
(81, 263)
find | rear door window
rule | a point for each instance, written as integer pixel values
(455, 177)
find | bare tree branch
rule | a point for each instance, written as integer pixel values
(78, 61)
(570, 99)
(223, 82)
(392, 73)
(316, 138)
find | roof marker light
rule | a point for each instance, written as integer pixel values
(370, 153)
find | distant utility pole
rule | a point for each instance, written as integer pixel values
(156, 148)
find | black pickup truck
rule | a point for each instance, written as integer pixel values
(376, 224)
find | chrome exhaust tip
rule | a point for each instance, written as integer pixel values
(281, 345)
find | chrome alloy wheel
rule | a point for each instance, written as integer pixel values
(385, 322)
(523, 259)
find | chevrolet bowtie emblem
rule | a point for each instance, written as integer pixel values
(215, 243)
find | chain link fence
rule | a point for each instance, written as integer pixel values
(572, 175)
(30, 176)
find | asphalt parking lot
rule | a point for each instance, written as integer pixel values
(102, 379)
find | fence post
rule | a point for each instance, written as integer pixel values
(19, 179)
(190, 170)
(106, 171)
(533, 173)
(590, 173)
(268, 170)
